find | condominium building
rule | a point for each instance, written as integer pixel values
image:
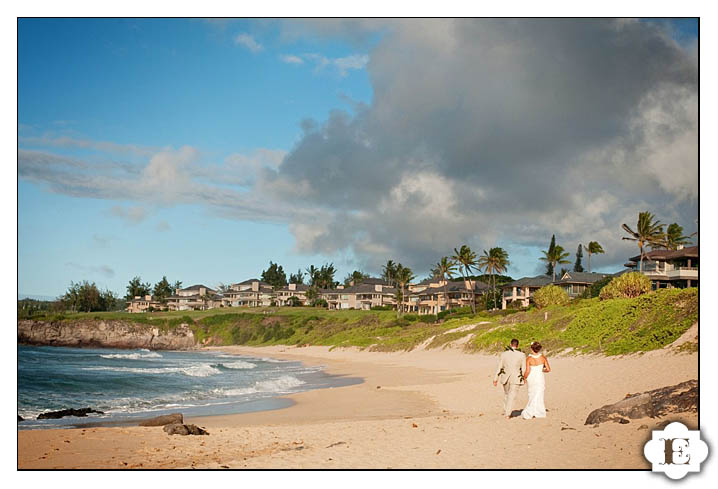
(144, 304)
(196, 297)
(283, 295)
(250, 293)
(669, 268)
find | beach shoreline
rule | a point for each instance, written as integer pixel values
(417, 409)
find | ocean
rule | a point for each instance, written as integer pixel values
(128, 385)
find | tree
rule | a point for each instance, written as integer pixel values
(326, 276)
(648, 232)
(496, 260)
(577, 266)
(313, 275)
(177, 285)
(444, 270)
(389, 272)
(467, 261)
(274, 275)
(137, 289)
(85, 296)
(554, 257)
(312, 293)
(297, 278)
(162, 290)
(223, 289)
(356, 276)
(593, 248)
(404, 275)
(674, 237)
(549, 266)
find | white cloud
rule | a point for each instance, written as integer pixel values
(246, 40)
(292, 59)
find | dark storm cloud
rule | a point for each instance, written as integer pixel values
(485, 130)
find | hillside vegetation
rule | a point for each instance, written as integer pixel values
(609, 327)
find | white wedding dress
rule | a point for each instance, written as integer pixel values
(537, 384)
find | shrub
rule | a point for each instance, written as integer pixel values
(628, 286)
(428, 318)
(411, 317)
(382, 308)
(550, 295)
(320, 303)
(294, 301)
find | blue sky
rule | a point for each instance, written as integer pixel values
(201, 150)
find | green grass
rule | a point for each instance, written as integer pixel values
(609, 327)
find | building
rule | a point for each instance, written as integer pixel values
(368, 294)
(194, 298)
(522, 290)
(144, 304)
(299, 291)
(669, 268)
(250, 293)
(428, 296)
(575, 283)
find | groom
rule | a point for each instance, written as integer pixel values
(510, 373)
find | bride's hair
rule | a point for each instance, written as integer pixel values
(536, 346)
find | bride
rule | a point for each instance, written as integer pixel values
(536, 365)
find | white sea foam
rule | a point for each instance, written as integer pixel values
(134, 356)
(239, 364)
(285, 383)
(201, 370)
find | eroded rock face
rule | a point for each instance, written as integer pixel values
(679, 398)
(184, 429)
(174, 418)
(104, 334)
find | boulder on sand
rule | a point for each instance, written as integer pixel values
(184, 429)
(68, 412)
(174, 418)
(677, 398)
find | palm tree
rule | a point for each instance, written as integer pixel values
(647, 232)
(555, 256)
(403, 276)
(674, 237)
(496, 260)
(313, 275)
(593, 248)
(388, 272)
(467, 260)
(444, 270)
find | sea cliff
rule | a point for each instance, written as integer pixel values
(104, 334)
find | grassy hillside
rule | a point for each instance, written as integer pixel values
(609, 327)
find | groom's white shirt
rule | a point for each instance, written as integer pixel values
(512, 362)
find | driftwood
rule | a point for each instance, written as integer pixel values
(679, 398)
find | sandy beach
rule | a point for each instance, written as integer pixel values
(418, 409)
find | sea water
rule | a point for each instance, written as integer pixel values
(128, 385)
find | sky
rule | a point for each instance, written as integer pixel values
(202, 149)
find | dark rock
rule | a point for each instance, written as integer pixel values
(184, 429)
(68, 412)
(174, 418)
(643, 427)
(679, 398)
(20, 418)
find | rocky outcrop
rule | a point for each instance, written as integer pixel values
(184, 429)
(104, 334)
(175, 418)
(82, 413)
(679, 398)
